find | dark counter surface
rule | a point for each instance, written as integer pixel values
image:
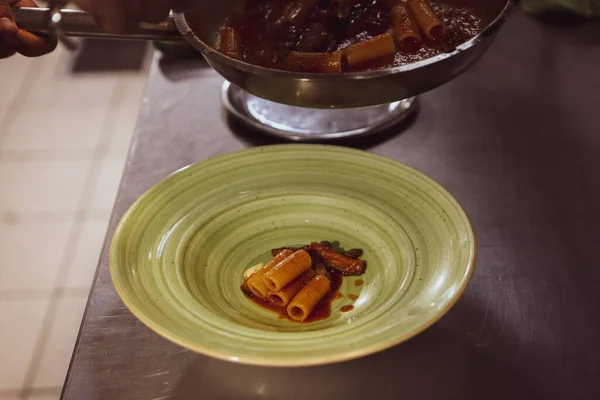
(516, 139)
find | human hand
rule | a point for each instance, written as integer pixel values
(118, 16)
(13, 39)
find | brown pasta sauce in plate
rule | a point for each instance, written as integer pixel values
(333, 36)
(300, 284)
(320, 312)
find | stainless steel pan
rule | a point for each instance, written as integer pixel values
(346, 90)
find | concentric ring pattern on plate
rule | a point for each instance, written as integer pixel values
(179, 253)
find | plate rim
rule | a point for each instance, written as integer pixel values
(295, 362)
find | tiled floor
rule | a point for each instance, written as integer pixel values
(64, 137)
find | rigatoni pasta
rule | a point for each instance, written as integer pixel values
(256, 282)
(283, 296)
(303, 282)
(287, 270)
(315, 62)
(307, 36)
(431, 25)
(231, 43)
(405, 28)
(306, 300)
(371, 49)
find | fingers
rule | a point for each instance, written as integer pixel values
(8, 31)
(13, 39)
(31, 45)
(8, 28)
(6, 50)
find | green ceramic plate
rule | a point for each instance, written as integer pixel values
(178, 255)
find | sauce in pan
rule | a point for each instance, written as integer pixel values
(265, 32)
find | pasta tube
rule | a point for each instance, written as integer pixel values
(405, 28)
(431, 25)
(288, 292)
(370, 49)
(297, 61)
(287, 270)
(256, 282)
(231, 43)
(307, 299)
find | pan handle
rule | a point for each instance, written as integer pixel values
(75, 23)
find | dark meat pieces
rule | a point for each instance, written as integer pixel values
(346, 265)
(353, 253)
(324, 256)
(278, 250)
(314, 38)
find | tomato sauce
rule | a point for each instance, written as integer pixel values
(267, 35)
(320, 312)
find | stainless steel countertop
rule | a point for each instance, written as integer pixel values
(516, 139)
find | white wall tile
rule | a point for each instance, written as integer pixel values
(57, 353)
(60, 119)
(87, 252)
(42, 186)
(125, 112)
(12, 73)
(48, 396)
(55, 128)
(31, 254)
(107, 183)
(21, 321)
(73, 92)
(14, 70)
